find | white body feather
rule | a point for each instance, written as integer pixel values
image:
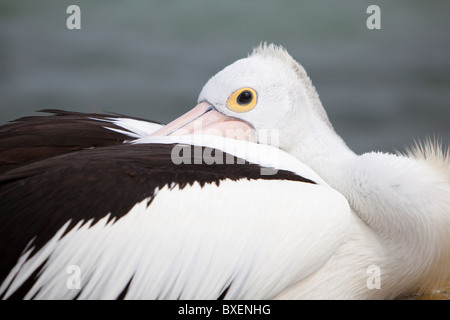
(269, 235)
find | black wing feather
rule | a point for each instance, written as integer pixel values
(34, 138)
(36, 200)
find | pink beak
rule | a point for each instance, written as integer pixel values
(204, 119)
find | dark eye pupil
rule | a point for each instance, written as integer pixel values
(245, 97)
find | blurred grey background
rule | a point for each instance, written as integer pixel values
(381, 88)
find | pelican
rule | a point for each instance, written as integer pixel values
(250, 195)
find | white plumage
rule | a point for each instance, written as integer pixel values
(185, 246)
(259, 238)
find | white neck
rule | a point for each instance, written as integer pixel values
(395, 198)
(319, 147)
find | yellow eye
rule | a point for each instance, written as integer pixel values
(242, 100)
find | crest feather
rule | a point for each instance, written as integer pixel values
(278, 52)
(433, 153)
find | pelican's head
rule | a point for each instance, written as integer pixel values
(266, 95)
